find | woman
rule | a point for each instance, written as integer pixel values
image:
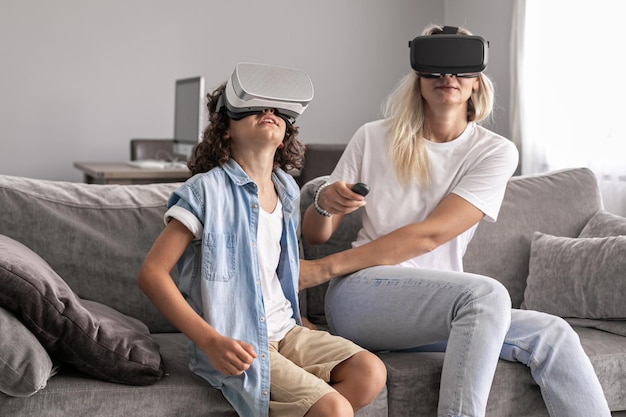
(434, 174)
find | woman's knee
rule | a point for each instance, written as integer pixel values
(557, 331)
(488, 294)
(542, 333)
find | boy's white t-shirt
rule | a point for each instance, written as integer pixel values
(278, 310)
(476, 166)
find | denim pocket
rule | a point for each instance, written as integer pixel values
(218, 260)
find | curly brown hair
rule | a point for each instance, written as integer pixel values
(214, 150)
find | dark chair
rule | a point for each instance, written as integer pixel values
(319, 159)
(152, 149)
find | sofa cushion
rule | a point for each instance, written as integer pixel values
(25, 365)
(577, 277)
(611, 326)
(606, 352)
(94, 236)
(90, 336)
(180, 393)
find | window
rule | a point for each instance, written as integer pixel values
(570, 91)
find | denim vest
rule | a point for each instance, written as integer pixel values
(219, 274)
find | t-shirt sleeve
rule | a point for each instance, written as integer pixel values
(348, 168)
(485, 183)
(180, 207)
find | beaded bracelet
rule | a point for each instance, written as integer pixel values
(316, 204)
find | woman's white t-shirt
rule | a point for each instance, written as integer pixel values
(475, 166)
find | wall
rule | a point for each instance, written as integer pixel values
(80, 79)
(492, 20)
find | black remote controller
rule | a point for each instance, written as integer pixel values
(360, 188)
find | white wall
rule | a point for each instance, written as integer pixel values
(79, 79)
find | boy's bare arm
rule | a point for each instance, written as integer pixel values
(227, 355)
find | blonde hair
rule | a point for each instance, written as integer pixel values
(404, 108)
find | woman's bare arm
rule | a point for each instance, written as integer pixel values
(451, 217)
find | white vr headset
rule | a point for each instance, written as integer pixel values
(255, 87)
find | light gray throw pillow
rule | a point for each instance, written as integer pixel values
(577, 277)
(604, 224)
(25, 366)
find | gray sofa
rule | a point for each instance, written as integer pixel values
(94, 238)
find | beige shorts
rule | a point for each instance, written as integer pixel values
(300, 367)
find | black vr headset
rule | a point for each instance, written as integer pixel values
(254, 87)
(448, 54)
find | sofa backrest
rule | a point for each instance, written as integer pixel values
(94, 236)
(558, 203)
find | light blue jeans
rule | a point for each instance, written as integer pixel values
(398, 308)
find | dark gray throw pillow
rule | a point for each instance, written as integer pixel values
(577, 277)
(92, 337)
(25, 366)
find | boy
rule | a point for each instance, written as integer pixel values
(231, 230)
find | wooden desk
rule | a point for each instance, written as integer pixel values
(122, 173)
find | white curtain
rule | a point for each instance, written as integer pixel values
(569, 90)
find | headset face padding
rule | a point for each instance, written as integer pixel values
(241, 115)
